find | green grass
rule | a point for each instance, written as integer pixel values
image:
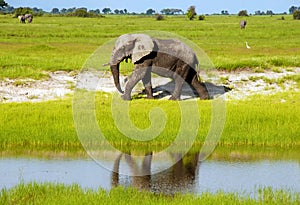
(62, 194)
(64, 43)
(263, 121)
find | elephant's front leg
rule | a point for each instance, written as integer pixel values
(147, 84)
(133, 79)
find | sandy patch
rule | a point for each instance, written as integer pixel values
(60, 83)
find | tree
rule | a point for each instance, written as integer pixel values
(96, 11)
(83, 8)
(171, 11)
(7, 9)
(243, 13)
(178, 11)
(106, 10)
(258, 12)
(292, 9)
(37, 11)
(70, 10)
(191, 12)
(63, 11)
(224, 12)
(55, 11)
(3, 4)
(269, 12)
(296, 15)
(150, 12)
(116, 11)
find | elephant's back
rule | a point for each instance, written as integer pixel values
(177, 49)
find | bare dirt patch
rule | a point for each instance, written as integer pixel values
(60, 83)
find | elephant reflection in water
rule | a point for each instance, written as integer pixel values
(141, 175)
(178, 178)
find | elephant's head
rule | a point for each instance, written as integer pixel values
(129, 46)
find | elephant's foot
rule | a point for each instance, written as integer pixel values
(204, 97)
(149, 92)
(150, 97)
(174, 98)
(126, 97)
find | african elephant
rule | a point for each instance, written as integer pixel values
(21, 18)
(165, 57)
(243, 24)
(29, 17)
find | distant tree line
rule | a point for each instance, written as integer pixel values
(84, 12)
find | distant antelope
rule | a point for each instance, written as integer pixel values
(243, 24)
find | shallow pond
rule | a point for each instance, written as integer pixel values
(186, 175)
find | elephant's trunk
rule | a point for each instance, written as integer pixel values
(116, 75)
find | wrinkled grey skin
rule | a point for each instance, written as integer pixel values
(243, 24)
(167, 58)
(21, 19)
(29, 17)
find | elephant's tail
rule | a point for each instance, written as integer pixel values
(197, 69)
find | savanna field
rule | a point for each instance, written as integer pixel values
(50, 43)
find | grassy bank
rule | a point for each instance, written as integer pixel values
(62, 194)
(64, 43)
(268, 121)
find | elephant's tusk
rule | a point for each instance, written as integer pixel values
(106, 64)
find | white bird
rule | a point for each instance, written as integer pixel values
(247, 46)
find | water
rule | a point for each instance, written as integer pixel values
(185, 176)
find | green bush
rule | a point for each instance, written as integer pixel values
(296, 15)
(81, 13)
(201, 17)
(243, 13)
(22, 11)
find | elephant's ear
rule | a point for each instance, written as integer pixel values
(143, 46)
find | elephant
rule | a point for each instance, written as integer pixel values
(29, 17)
(165, 57)
(21, 18)
(243, 24)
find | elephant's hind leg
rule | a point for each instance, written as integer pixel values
(179, 81)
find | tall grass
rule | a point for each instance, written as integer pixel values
(62, 194)
(262, 121)
(64, 43)
(40, 126)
